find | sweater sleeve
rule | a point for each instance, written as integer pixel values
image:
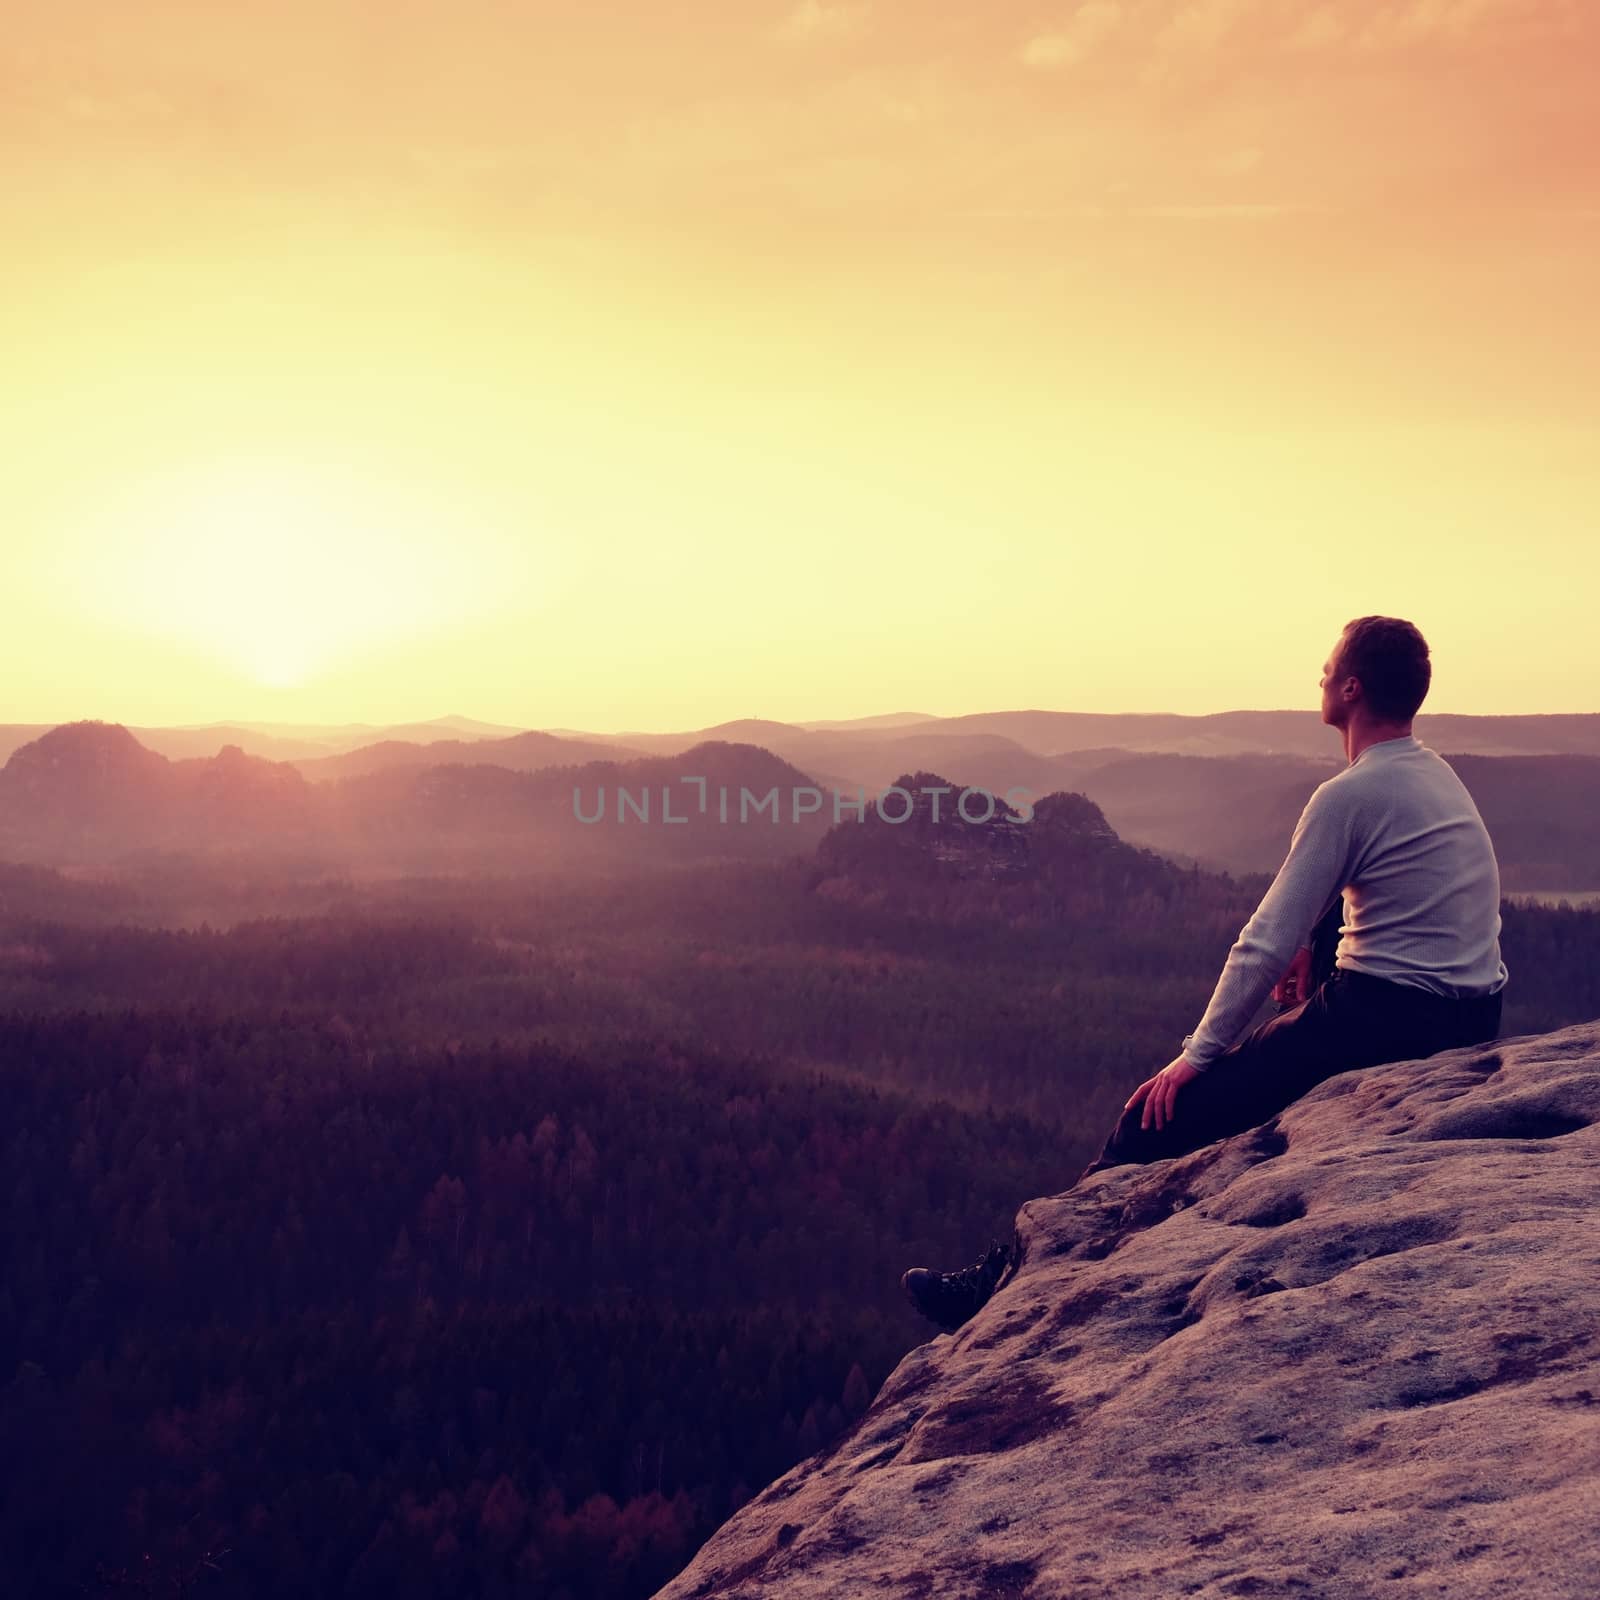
(1313, 872)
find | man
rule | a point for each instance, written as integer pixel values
(1417, 968)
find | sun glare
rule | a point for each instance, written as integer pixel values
(280, 572)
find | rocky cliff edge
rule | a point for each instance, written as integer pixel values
(1353, 1352)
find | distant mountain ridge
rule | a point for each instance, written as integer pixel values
(278, 741)
(91, 792)
(464, 801)
(95, 788)
(1056, 733)
(519, 752)
(853, 745)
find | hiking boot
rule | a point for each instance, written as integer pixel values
(952, 1298)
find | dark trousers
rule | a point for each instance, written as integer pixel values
(1350, 1019)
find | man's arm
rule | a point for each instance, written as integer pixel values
(1312, 874)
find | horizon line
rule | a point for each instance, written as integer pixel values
(800, 725)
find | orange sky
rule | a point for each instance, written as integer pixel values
(641, 366)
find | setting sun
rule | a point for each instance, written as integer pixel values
(280, 571)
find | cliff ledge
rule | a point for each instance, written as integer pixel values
(1353, 1352)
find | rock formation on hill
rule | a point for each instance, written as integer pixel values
(932, 832)
(1353, 1352)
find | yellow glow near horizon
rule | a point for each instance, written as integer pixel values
(570, 367)
(279, 570)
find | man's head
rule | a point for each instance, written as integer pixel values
(1378, 670)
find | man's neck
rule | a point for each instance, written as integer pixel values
(1362, 737)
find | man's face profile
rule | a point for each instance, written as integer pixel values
(1335, 711)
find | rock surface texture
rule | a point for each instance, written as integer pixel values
(1355, 1351)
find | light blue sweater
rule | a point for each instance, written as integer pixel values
(1397, 833)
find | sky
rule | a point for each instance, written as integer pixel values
(642, 366)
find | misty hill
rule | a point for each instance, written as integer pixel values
(855, 749)
(1225, 733)
(1237, 812)
(1053, 733)
(1281, 732)
(521, 752)
(179, 744)
(1231, 812)
(331, 738)
(872, 757)
(887, 719)
(275, 741)
(91, 790)
(1543, 813)
(84, 771)
(237, 791)
(305, 742)
(779, 737)
(983, 760)
(646, 809)
(457, 726)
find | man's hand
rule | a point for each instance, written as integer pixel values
(1160, 1093)
(1292, 987)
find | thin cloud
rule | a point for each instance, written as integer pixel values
(1192, 27)
(1460, 22)
(1225, 213)
(1176, 212)
(812, 22)
(1203, 25)
(1075, 42)
(1034, 214)
(1324, 29)
(1200, 28)
(135, 106)
(1238, 163)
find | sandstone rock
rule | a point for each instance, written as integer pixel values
(1353, 1352)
